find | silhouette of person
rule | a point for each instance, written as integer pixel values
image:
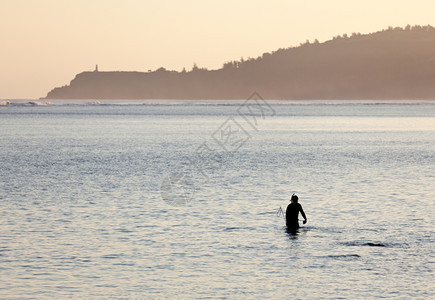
(292, 213)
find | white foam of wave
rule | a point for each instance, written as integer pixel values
(24, 103)
(37, 103)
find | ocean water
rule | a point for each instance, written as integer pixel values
(180, 201)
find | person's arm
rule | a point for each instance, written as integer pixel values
(303, 215)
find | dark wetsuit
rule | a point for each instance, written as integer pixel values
(291, 215)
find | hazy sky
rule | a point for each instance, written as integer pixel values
(45, 43)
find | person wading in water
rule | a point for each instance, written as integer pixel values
(292, 212)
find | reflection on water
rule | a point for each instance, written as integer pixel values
(81, 213)
(295, 233)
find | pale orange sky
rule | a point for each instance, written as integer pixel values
(45, 43)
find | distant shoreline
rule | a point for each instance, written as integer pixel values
(43, 102)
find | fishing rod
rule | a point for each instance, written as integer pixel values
(280, 212)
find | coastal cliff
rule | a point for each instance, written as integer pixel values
(397, 63)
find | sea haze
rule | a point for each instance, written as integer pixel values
(83, 213)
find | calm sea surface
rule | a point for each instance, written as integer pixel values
(180, 201)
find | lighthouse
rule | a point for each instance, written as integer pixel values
(96, 68)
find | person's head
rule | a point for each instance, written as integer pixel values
(294, 199)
